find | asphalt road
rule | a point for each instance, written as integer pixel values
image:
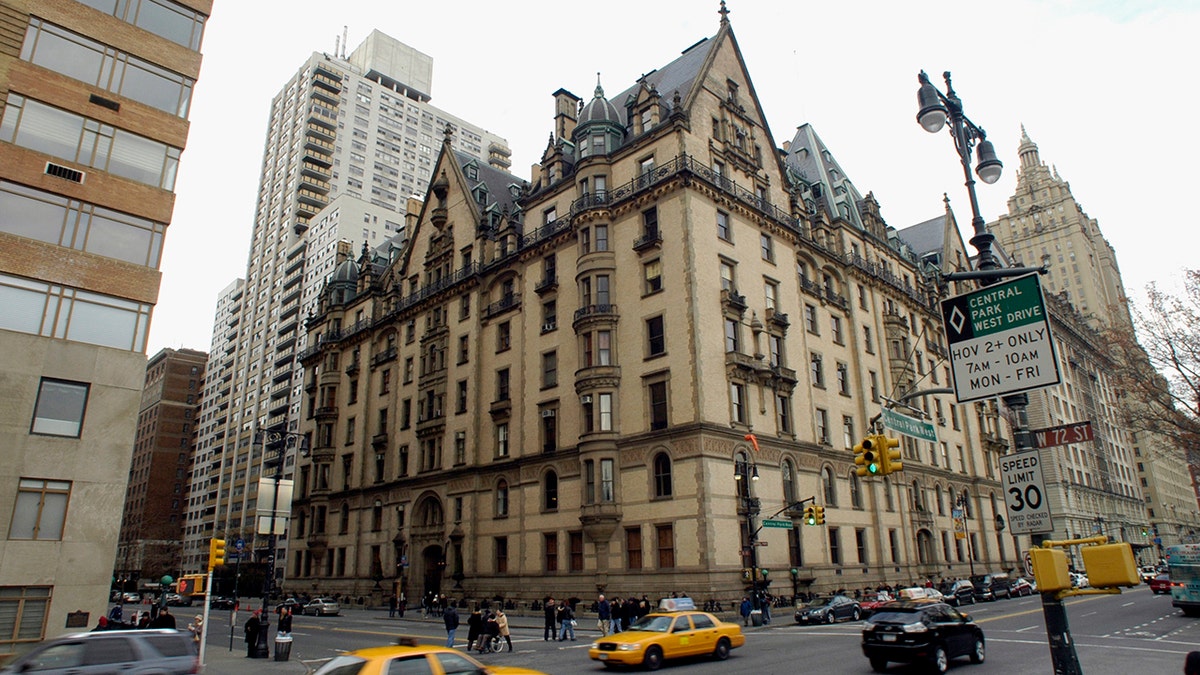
(1128, 634)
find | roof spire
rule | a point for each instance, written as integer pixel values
(724, 14)
(599, 90)
(946, 201)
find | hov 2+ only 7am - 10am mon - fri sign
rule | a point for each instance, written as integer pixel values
(999, 339)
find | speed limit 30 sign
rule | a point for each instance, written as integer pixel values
(1025, 493)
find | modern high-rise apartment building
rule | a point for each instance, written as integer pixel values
(350, 139)
(607, 376)
(152, 524)
(95, 98)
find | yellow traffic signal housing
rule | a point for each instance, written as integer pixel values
(746, 573)
(819, 514)
(866, 458)
(888, 450)
(810, 515)
(216, 553)
(1050, 569)
(192, 584)
(1110, 565)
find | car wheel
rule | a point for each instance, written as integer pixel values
(940, 661)
(977, 652)
(722, 651)
(878, 664)
(653, 659)
(855, 615)
(972, 599)
(829, 618)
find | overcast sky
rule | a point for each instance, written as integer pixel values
(1107, 89)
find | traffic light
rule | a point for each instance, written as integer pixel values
(191, 584)
(216, 553)
(810, 515)
(818, 515)
(746, 573)
(889, 454)
(866, 457)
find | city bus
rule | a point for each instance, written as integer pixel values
(1183, 564)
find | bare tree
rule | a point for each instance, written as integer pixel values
(1160, 373)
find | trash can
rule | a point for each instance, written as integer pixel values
(756, 617)
(283, 647)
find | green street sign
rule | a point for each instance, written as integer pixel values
(781, 524)
(909, 426)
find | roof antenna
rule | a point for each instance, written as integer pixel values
(344, 40)
(337, 45)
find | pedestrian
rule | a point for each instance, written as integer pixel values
(603, 615)
(502, 624)
(101, 625)
(1191, 664)
(474, 628)
(164, 619)
(551, 632)
(252, 628)
(450, 617)
(143, 620)
(744, 610)
(488, 631)
(766, 608)
(617, 610)
(114, 614)
(197, 629)
(566, 618)
(285, 622)
(391, 606)
(401, 605)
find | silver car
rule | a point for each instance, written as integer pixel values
(130, 652)
(323, 607)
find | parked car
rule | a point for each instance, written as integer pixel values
(323, 607)
(991, 586)
(177, 600)
(873, 600)
(1021, 588)
(129, 652)
(675, 630)
(1079, 580)
(828, 610)
(222, 602)
(920, 593)
(921, 631)
(958, 593)
(294, 604)
(1161, 583)
(130, 596)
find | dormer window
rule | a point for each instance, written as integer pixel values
(481, 195)
(471, 171)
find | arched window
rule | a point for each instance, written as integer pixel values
(550, 491)
(345, 520)
(829, 486)
(662, 475)
(887, 494)
(941, 505)
(918, 501)
(377, 516)
(966, 499)
(301, 522)
(789, 482)
(502, 499)
(856, 500)
(430, 513)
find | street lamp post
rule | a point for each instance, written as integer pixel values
(746, 474)
(275, 444)
(936, 109)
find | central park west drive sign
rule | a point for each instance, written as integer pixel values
(999, 340)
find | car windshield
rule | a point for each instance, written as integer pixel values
(653, 623)
(343, 665)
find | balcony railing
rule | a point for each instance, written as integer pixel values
(651, 239)
(595, 311)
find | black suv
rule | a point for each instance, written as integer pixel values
(958, 593)
(920, 631)
(129, 652)
(992, 586)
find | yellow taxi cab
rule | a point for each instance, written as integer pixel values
(676, 630)
(406, 656)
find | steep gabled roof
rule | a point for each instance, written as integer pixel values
(496, 181)
(809, 158)
(678, 75)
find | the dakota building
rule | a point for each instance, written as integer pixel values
(550, 389)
